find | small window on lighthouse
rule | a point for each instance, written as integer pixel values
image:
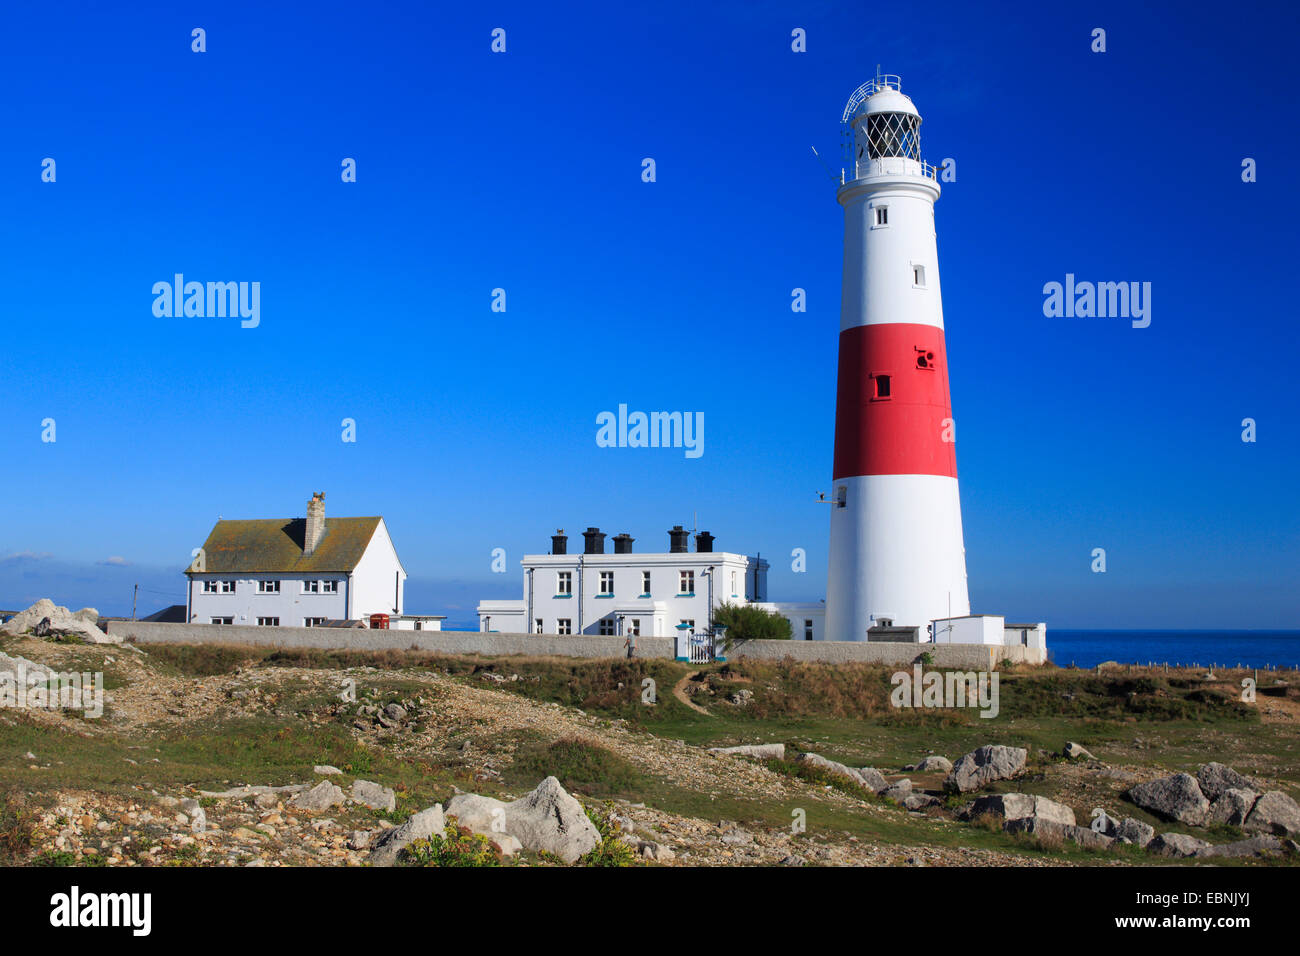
(918, 276)
(882, 386)
(842, 496)
(882, 215)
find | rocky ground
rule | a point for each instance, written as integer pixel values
(435, 720)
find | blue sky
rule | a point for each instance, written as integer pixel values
(522, 171)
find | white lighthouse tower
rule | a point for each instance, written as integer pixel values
(896, 552)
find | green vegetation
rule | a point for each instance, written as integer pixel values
(610, 851)
(580, 766)
(15, 828)
(745, 622)
(458, 846)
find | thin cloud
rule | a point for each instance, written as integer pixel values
(117, 561)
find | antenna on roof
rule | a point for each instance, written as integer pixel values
(829, 172)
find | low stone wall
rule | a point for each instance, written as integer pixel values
(363, 639)
(963, 656)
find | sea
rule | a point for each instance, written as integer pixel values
(1256, 649)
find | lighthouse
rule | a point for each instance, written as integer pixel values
(896, 551)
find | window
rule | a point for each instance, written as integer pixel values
(882, 215)
(268, 622)
(221, 620)
(564, 626)
(311, 587)
(918, 277)
(733, 583)
(645, 583)
(634, 627)
(318, 621)
(607, 582)
(537, 626)
(227, 587)
(606, 626)
(807, 629)
(329, 587)
(842, 496)
(268, 587)
(419, 625)
(564, 582)
(689, 622)
(209, 587)
(686, 582)
(882, 389)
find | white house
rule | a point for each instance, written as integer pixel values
(636, 593)
(295, 572)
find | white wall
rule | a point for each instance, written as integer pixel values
(378, 581)
(246, 605)
(973, 629)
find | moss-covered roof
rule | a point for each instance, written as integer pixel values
(276, 545)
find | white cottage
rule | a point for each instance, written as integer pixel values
(295, 572)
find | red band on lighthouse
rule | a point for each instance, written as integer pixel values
(893, 410)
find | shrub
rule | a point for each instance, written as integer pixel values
(458, 846)
(15, 829)
(610, 851)
(750, 623)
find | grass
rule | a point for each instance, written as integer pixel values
(580, 766)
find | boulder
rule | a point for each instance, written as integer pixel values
(1021, 806)
(1076, 752)
(1262, 845)
(919, 801)
(1130, 830)
(1216, 779)
(934, 765)
(1176, 798)
(839, 769)
(1176, 844)
(758, 751)
(58, 620)
(1045, 828)
(325, 770)
(985, 765)
(1275, 813)
(898, 791)
(481, 814)
(550, 819)
(420, 826)
(873, 779)
(507, 844)
(320, 797)
(373, 795)
(1232, 807)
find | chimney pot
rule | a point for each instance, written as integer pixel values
(677, 540)
(623, 543)
(559, 542)
(703, 542)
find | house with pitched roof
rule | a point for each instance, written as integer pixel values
(295, 572)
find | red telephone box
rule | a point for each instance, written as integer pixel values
(379, 622)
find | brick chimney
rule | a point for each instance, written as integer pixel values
(315, 523)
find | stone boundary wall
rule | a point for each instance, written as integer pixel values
(963, 656)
